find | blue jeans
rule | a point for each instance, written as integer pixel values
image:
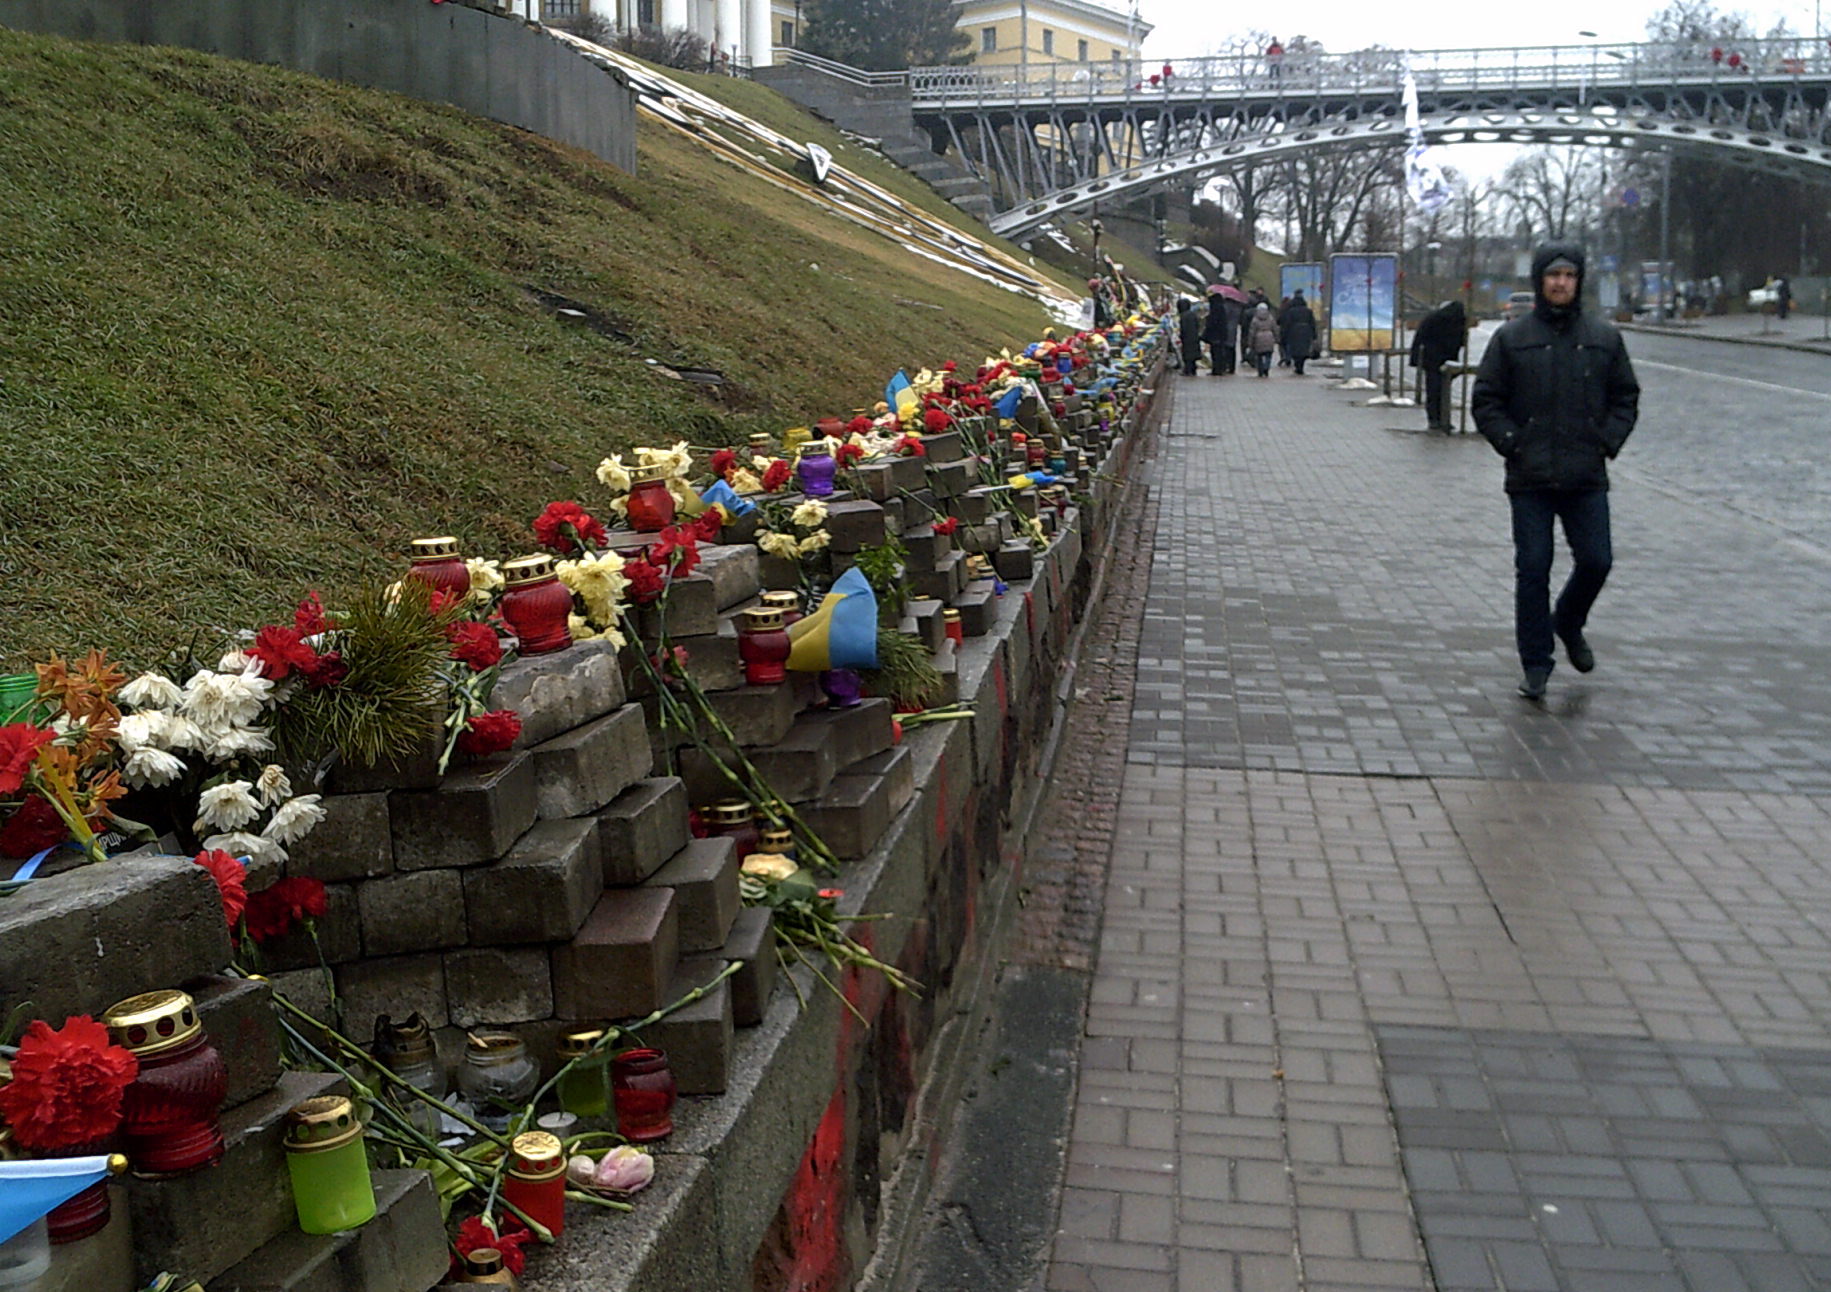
(1584, 514)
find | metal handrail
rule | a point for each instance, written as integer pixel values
(843, 71)
(1586, 67)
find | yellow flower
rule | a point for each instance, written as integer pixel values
(759, 464)
(769, 865)
(814, 542)
(612, 472)
(775, 544)
(746, 481)
(580, 628)
(485, 578)
(809, 514)
(597, 581)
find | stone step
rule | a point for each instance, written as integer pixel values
(975, 506)
(752, 944)
(542, 891)
(943, 583)
(1015, 561)
(732, 567)
(951, 479)
(852, 815)
(498, 986)
(102, 1262)
(474, 816)
(704, 877)
(976, 606)
(642, 828)
(237, 1016)
(354, 841)
(560, 691)
(801, 765)
(339, 939)
(156, 920)
(401, 1250)
(925, 547)
(856, 525)
(698, 1037)
(579, 771)
(619, 963)
(690, 610)
(206, 1222)
(929, 617)
(392, 985)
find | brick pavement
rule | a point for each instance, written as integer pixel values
(1358, 889)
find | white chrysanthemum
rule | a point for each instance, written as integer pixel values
(151, 691)
(147, 767)
(814, 542)
(485, 578)
(236, 662)
(272, 784)
(182, 733)
(612, 472)
(295, 819)
(235, 742)
(778, 544)
(239, 843)
(228, 806)
(225, 699)
(809, 515)
(597, 581)
(143, 730)
(760, 463)
(743, 481)
(678, 461)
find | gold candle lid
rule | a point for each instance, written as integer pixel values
(776, 839)
(153, 1022)
(760, 619)
(434, 549)
(579, 1040)
(781, 599)
(759, 439)
(538, 1156)
(819, 444)
(493, 1045)
(950, 616)
(647, 475)
(524, 570)
(729, 812)
(321, 1124)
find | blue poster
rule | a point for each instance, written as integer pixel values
(1363, 302)
(1301, 276)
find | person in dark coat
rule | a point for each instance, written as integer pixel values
(1557, 398)
(1439, 339)
(1783, 298)
(1189, 333)
(1218, 333)
(1297, 331)
(1254, 299)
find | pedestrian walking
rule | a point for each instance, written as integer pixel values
(1439, 339)
(1218, 331)
(1262, 338)
(1783, 298)
(1556, 397)
(1189, 323)
(1274, 60)
(1297, 332)
(1254, 299)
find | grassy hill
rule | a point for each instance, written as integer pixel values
(260, 329)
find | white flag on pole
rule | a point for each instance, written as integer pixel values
(1423, 176)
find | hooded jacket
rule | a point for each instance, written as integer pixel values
(1439, 336)
(1262, 330)
(1555, 394)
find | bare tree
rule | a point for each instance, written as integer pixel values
(1557, 192)
(1328, 195)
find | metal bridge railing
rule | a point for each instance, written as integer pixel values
(844, 71)
(1496, 71)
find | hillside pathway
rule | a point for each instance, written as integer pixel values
(1406, 983)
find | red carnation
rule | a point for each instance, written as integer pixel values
(705, 529)
(1058, 409)
(950, 366)
(645, 581)
(490, 733)
(281, 650)
(776, 476)
(723, 463)
(675, 549)
(230, 882)
(563, 526)
(474, 644)
(33, 828)
(474, 1235)
(327, 669)
(947, 524)
(443, 601)
(850, 453)
(272, 912)
(858, 425)
(67, 1085)
(309, 618)
(19, 745)
(910, 446)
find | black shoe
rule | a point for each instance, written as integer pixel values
(1582, 658)
(1532, 686)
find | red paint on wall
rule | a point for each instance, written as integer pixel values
(815, 1207)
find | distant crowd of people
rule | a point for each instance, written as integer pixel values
(1239, 327)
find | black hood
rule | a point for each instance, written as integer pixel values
(1453, 314)
(1541, 260)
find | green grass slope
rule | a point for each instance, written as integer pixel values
(257, 330)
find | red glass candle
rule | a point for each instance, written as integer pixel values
(651, 506)
(955, 632)
(536, 1179)
(536, 605)
(734, 819)
(643, 1089)
(763, 645)
(437, 564)
(87, 1212)
(168, 1115)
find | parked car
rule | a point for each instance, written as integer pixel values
(1518, 306)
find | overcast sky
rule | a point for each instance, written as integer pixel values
(1185, 28)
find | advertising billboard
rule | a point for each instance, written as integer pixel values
(1363, 302)
(1302, 276)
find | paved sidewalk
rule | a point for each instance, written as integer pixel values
(1405, 983)
(1797, 332)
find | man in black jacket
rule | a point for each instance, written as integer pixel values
(1439, 339)
(1556, 397)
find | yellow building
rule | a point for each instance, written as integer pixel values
(1049, 31)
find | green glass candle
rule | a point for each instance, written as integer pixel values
(329, 1166)
(585, 1091)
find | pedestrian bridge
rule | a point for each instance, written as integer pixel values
(1046, 139)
